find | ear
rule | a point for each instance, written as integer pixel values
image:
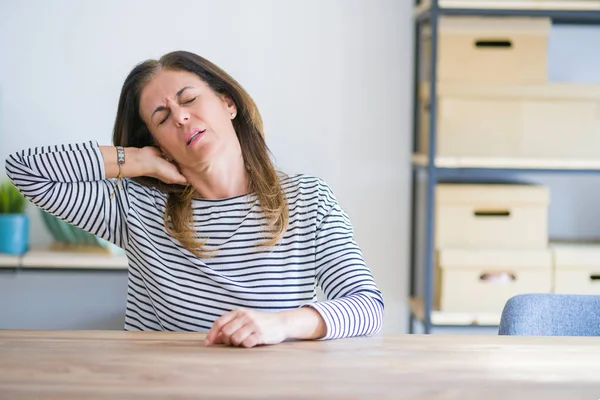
(230, 105)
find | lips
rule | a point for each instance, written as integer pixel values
(193, 135)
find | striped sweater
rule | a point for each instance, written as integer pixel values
(171, 289)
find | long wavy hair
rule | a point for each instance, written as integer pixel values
(131, 131)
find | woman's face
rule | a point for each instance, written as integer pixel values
(189, 121)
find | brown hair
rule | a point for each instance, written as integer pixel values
(131, 131)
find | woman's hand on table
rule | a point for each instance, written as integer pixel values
(250, 328)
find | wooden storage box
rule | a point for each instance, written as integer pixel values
(546, 121)
(491, 215)
(482, 280)
(483, 49)
(576, 268)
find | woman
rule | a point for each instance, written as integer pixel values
(217, 240)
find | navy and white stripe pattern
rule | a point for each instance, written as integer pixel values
(171, 289)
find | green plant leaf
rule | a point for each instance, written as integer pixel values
(11, 199)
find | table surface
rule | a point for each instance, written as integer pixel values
(155, 365)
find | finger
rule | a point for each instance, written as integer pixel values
(169, 173)
(229, 329)
(219, 339)
(217, 325)
(238, 337)
(251, 341)
(179, 179)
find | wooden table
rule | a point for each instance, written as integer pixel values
(147, 365)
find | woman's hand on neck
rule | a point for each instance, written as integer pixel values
(220, 178)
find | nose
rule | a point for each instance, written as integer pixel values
(180, 115)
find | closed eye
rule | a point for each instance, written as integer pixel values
(189, 101)
(183, 102)
(164, 119)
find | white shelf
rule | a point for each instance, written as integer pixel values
(507, 163)
(454, 318)
(64, 259)
(541, 5)
(9, 261)
(54, 259)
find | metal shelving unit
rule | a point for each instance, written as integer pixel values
(435, 169)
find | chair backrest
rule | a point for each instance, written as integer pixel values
(551, 315)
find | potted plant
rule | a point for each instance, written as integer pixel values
(14, 224)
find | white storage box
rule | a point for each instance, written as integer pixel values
(482, 280)
(483, 49)
(576, 268)
(546, 121)
(491, 215)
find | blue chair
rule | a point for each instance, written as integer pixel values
(551, 315)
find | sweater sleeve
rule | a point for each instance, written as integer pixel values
(68, 181)
(354, 305)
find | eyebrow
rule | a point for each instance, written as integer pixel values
(179, 93)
